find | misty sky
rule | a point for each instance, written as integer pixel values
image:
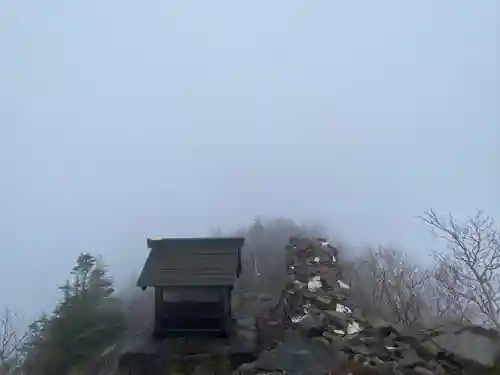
(126, 119)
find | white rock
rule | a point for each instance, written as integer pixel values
(297, 319)
(343, 285)
(314, 284)
(353, 327)
(343, 309)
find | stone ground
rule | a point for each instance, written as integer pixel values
(316, 330)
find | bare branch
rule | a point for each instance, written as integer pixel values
(394, 286)
(470, 270)
(12, 336)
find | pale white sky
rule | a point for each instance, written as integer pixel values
(124, 119)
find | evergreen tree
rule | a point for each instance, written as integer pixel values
(86, 319)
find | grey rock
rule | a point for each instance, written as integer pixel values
(410, 359)
(422, 371)
(202, 370)
(471, 345)
(299, 355)
(311, 325)
(336, 318)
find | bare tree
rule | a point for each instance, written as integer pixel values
(470, 270)
(384, 282)
(443, 306)
(12, 337)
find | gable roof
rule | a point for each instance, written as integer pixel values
(209, 261)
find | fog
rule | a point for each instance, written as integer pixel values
(123, 119)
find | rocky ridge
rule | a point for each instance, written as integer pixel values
(315, 329)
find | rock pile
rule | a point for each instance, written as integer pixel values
(323, 333)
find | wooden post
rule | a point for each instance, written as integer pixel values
(158, 312)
